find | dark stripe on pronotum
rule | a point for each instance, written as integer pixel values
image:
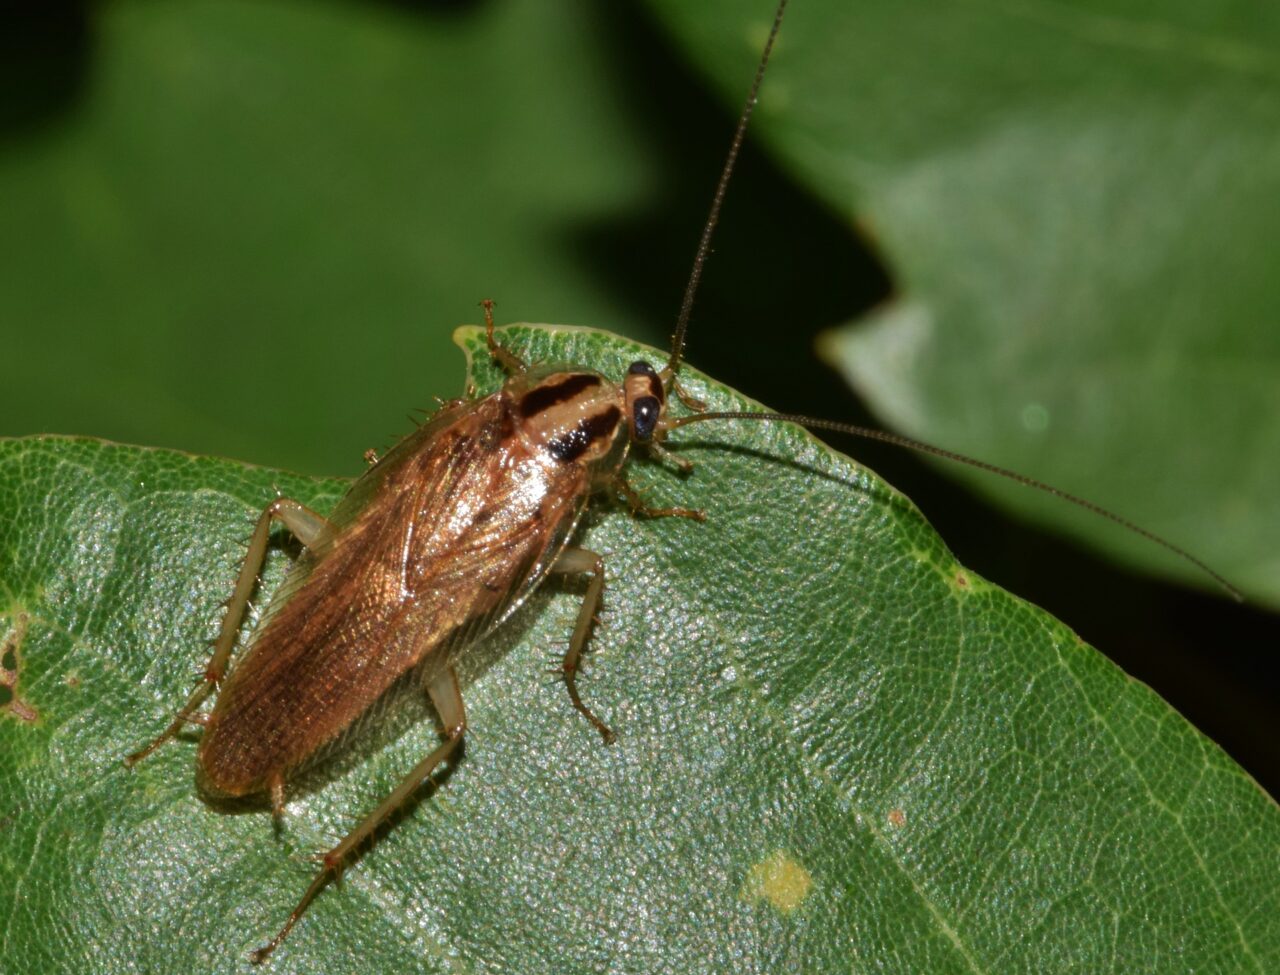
(642, 368)
(544, 397)
(570, 446)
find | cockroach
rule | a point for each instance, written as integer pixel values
(439, 542)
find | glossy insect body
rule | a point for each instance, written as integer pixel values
(435, 545)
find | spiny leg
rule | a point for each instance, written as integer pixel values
(448, 702)
(572, 561)
(636, 503)
(671, 383)
(511, 363)
(687, 398)
(275, 788)
(664, 456)
(306, 526)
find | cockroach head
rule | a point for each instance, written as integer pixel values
(646, 400)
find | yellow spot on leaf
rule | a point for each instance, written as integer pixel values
(780, 880)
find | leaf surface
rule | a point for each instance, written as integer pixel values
(838, 750)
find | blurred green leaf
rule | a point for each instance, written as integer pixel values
(1079, 205)
(837, 749)
(253, 228)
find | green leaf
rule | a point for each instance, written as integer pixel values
(1080, 211)
(838, 750)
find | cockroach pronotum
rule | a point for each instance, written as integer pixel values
(436, 544)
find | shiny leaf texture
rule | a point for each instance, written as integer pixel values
(838, 749)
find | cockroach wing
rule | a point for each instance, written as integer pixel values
(430, 549)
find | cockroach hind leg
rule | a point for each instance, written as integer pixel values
(571, 562)
(445, 695)
(307, 526)
(511, 363)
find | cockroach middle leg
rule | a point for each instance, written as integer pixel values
(447, 698)
(511, 363)
(306, 526)
(571, 562)
(276, 790)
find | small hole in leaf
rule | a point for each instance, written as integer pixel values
(10, 701)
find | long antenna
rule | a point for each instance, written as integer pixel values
(704, 244)
(870, 433)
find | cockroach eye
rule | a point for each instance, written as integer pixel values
(644, 416)
(640, 368)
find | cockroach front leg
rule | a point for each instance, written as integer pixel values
(511, 363)
(636, 503)
(306, 526)
(573, 561)
(447, 699)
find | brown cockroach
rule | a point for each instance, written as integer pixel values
(435, 545)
